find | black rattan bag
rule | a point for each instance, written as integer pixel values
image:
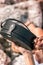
(21, 35)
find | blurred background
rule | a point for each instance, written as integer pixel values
(12, 9)
(4, 3)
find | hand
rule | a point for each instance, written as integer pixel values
(26, 54)
(14, 48)
(21, 50)
(18, 49)
(39, 43)
(39, 55)
(28, 57)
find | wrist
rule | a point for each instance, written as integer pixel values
(28, 23)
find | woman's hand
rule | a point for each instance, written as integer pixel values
(39, 55)
(28, 57)
(39, 43)
(26, 53)
(38, 52)
(14, 48)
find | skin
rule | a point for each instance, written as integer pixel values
(35, 30)
(26, 53)
(2, 1)
(40, 0)
(39, 49)
(39, 56)
(38, 43)
(38, 52)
